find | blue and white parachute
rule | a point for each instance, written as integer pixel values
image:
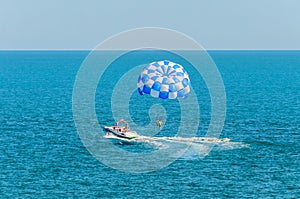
(164, 79)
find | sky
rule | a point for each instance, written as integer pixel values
(215, 24)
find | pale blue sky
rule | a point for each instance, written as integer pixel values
(216, 24)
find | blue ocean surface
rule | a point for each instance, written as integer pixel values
(42, 155)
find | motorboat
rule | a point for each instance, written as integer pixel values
(121, 131)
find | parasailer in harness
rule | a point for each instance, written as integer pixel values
(159, 123)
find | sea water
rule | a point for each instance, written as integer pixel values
(42, 155)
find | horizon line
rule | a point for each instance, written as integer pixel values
(150, 49)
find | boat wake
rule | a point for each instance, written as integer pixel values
(197, 146)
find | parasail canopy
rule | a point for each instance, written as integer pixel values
(165, 80)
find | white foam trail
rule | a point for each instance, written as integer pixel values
(197, 144)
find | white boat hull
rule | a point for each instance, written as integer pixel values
(121, 132)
